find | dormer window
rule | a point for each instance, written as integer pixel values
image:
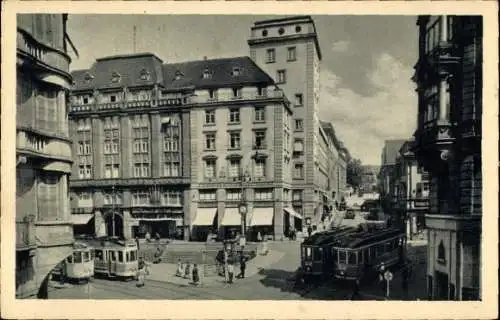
(236, 71)
(145, 75)
(178, 75)
(236, 92)
(88, 77)
(207, 74)
(115, 77)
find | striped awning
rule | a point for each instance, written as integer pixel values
(81, 219)
(231, 217)
(262, 217)
(205, 216)
(293, 213)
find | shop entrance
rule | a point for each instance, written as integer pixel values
(441, 286)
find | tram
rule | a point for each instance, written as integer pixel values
(315, 252)
(79, 265)
(116, 258)
(358, 255)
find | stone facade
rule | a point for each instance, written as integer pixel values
(44, 235)
(448, 146)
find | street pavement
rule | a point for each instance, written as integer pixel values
(269, 277)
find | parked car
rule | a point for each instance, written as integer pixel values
(368, 205)
(350, 214)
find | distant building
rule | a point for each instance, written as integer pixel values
(412, 185)
(387, 178)
(288, 50)
(369, 179)
(44, 235)
(448, 145)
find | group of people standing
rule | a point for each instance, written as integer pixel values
(228, 267)
(185, 271)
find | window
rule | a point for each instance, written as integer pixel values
(84, 171)
(115, 77)
(208, 195)
(212, 94)
(210, 141)
(178, 75)
(234, 168)
(281, 31)
(209, 116)
(172, 169)
(298, 29)
(352, 258)
(432, 36)
(236, 71)
(263, 194)
(85, 100)
(342, 256)
(271, 56)
(299, 124)
(85, 200)
(108, 198)
(210, 168)
(233, 194)
(234, 140)
(260, 114)
(260, 139)
(431, 110)
(262, 91)
(291, 54)
(264, 33)
(298, 172)
(298, 99)
(140, 136)
(260, 168)
(145, 75)
(172, 198)
(112, 98)
(234, 115)
(236, 92)
(141, 198)
(281, 76)
(170, 131)
(207, 74)
(296, 195)
(111, 171)
(48, 196)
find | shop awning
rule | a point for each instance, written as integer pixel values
(294, 213)
(231, 217)
(81, 219)
(205, 216)
(262, 217)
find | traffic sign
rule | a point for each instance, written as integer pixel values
(388, 275)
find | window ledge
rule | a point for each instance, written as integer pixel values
(209, 124)
(259, 121)
(273, 61)
(234, 123)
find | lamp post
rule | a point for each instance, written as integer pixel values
(113, 209)
(243, 208)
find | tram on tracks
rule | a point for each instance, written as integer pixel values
(78, 266)
(316, 253)
(116, 258)
(355, 256)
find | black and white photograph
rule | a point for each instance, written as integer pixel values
(287, 156)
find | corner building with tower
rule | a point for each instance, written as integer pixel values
(178, 148)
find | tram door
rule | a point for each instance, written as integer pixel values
(112, 262)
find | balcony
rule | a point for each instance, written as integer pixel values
(40, 145)
(125, 182)
(165, 102)
(435, 134)
(25, 234)
(443, 57)
(138, 104)
(108, 106)
(43, 55)
(244, 96)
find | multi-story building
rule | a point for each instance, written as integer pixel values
(131, 140)
(412, 184)
(44, 235)
(369, 178)
(448, 145)
(387, 178)
(175, 148)
(288, 50)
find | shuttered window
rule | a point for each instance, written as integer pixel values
(48, 198)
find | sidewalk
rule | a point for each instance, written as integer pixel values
(165, 272)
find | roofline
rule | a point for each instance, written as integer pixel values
(130, 55)
(262, 22)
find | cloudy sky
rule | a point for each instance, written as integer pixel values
(366, 91)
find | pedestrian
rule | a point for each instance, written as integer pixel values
(141, 273)
(187, 271)
(230, 271)
(157, 237)
(259, 237)
(180, 269)
(157, 256)
(196, 275)
(309, 231)
(243, 265)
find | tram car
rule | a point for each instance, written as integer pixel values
(116, 258)
(355, 256)
(315, 252)
(78, 266)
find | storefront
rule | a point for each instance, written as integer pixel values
(83, 224)
(167, 223)
(293, 220)
(231, 223)
(261, 221)
(204, 223)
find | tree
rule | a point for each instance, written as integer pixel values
(354, 172)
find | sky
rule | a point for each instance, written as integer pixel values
(366, 89)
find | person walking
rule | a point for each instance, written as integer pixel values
(137, 243)
(180, 269)
(196, 275)
(187, 271)
(230, 271)
(141, 273)
(243, 265)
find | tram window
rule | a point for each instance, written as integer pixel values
(92, 254)
(77, 256)
(98, 255)
(86, 256)
(352, 258)
(335, 255)
(342, 256)
(112, 256)
(127, 256)
(70, 258)
(133, 255)
(361, 256)
(318, 254)
(308, 252)
(120, 256)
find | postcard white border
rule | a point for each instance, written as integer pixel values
(110, 309)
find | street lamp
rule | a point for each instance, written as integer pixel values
(243, 208)
(113, 209)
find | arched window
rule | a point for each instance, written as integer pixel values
(471, 185)
(441, 258)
